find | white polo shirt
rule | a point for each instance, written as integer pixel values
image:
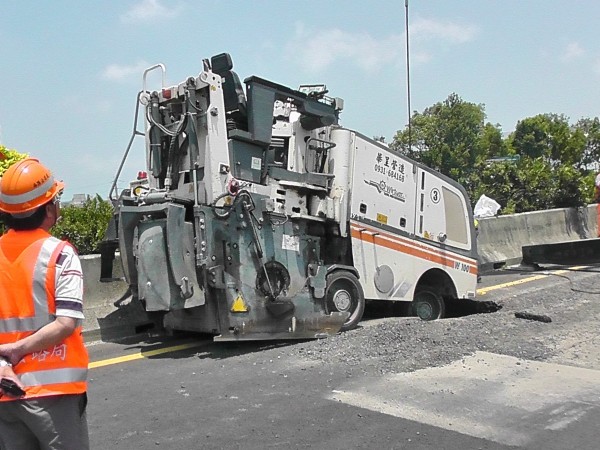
(69, 284)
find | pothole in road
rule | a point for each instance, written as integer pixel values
(454, 308)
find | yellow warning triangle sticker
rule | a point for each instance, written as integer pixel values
(239, 305)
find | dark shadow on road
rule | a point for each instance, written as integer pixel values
(454, 308)
(467, 307)
(182, 345)
(383, 309)
(203, 347)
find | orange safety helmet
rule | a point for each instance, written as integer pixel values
(25, 186)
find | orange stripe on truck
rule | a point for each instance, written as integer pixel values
(410, 247)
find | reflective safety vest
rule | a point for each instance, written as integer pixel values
(27, 303)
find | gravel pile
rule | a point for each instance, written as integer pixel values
(403, 344)
(406, 344)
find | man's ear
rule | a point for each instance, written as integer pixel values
(50, 208)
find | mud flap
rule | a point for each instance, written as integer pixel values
(155, 287)
(180, 248)
(158, 266)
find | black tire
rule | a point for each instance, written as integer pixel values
(344, 294)
(428, 305)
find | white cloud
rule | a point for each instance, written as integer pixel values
(149, 11)
(316, 51)
(117, 72)
(362, 48)
(573, 51)
(428, 29)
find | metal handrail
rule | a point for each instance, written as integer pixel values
(150, 69)
(113, 189)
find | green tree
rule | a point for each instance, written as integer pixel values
(8, 157)
(84, 226)
(549, 136)
(452, 138)
(492, 142)
(525, 185)
(572, 189)
(548, 143)
(498, 181)
(535, 185)
(590, 129)
(552, 168)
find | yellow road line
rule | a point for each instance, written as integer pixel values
(484, 291)
(143, 354)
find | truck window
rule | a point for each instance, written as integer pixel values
(456, 226)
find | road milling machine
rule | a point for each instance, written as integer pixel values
(261, 217)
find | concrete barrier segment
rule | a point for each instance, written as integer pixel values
(108, 308)
(501, 238)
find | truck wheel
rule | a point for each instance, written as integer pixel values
(344, 294)
(428, 305)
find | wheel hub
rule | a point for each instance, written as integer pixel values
(424, 310)
(342, 300)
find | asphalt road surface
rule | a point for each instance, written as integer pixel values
(191, 393)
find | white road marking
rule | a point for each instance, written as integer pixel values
(495, 397)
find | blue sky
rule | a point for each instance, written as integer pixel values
(70, 69)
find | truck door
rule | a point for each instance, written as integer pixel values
(442, 211)
(382, 205)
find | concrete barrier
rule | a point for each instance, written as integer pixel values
(110, 313)
(501, 238)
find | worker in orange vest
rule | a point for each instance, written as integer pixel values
(43, 360)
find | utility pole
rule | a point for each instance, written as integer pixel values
(408, 79)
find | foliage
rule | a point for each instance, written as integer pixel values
(498, 181)
(549, 136)
(8, 157)
(493, 144)
(560, 151)
(84, 226)
(453, 138)
(590, 130)
(552, 160)
(571, 190)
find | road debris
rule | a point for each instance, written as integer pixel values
(531, 316)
